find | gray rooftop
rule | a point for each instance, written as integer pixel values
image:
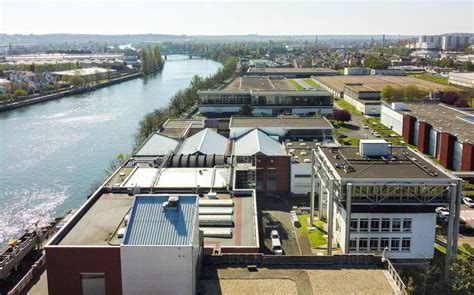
(151, 224)
(445, 119)
(207, 142)
(283, 122)
(157, 145)
(99, 223)
(258, 142)
(408, 165)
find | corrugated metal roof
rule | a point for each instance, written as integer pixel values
(207, 142)
(257, 141)
(157, 145)
(151, 224)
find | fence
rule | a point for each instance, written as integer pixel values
(269, 260)
(34, 272)
(396, 278)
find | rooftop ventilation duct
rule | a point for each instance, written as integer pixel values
(172, 203)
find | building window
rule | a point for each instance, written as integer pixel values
(396, 224)
(93, 283)
(407, 225)
(302, 175)
(364, 225)
(384, 243)
(374, 244)
(406, 243)
(272, 180)
(386, 224)
(354, 226)
(395, 244)
(353, 244)
(362, 244)
(374, 225)
(259, 182)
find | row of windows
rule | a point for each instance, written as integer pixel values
(379, 244)
(381, 225)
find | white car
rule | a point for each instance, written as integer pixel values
(441, 209)
(276, 244)
(376, 134)
(468, 201)
(365, 127)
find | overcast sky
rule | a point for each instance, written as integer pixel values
(237, 17)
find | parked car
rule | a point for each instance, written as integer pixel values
(376, 134)
(365, 127)
(468, 201)
(276, 243)
(441, 209)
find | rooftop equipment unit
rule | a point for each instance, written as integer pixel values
(217, 232)
(215, 220)
(216, 210)
(212, 196)
(373, 148)
(121, 232)
(172, 203)
(216, 203)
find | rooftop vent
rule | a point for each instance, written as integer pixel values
(172, 203)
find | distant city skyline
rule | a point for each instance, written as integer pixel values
(237, 17)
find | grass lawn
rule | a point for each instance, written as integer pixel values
(390, 135)
(436, 79)
(347, 106)
(313, 84)
(315, 237)
(296, 85)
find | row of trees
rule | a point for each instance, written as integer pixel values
(407, 93)
(40, 68)
(183, 100)
(375, 63)
(453, 99)
(151, 60)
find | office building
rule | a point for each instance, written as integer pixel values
(381, 199)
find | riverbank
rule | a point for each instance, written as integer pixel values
(32, 100)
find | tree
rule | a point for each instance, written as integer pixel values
(342, 115)
(412, 92)
(467, 66)
(387, 92)
(461, 103)
(449, 97)
(20, 92)
(77, 81)
(246, 110)
(462, 275)
(375, 63)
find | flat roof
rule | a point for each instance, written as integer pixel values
(301, 149)
(407, 165)
(443, 118)
(292, 70)
(280, 122)
(177, 128)
(179, 177)
(98, 224)
(259, 83)
(337, 83)
(151, 223)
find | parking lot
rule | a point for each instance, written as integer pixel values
(274, 214)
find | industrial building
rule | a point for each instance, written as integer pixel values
(462, 79)
(441, 131)
(291, 72)
(267, 95)
(365, 99)
(114, 242)
(381, 199)
(265, 102)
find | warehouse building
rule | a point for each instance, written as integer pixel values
(381, 199)
(443, 132)
(291, 72)
(462, 79)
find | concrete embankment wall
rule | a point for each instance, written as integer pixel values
(28, 101)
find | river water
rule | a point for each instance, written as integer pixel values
(51, 153)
